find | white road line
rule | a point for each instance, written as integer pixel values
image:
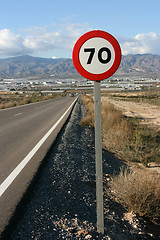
(17, 114)
(7, 182)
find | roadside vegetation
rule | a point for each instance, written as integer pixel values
(123, 135)
(138, 190)
(13, 100)
(150, 97)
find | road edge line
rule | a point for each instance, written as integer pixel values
(7, 182)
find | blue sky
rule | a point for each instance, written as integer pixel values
(50, 28)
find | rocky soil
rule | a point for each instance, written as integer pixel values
(148, 114)
(61, 204)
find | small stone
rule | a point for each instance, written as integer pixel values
(150, 234)
(135, 226)
(108, 238)
(82, 232)
(59, 224)
(88, 236)
(116, 199)
(71, 229)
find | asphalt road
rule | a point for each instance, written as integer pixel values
(21, 129)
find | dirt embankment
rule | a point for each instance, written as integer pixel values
(148, 114)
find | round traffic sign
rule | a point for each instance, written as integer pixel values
(96, 55)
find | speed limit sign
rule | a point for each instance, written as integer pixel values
(96, 55)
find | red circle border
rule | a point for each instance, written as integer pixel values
(82, 40)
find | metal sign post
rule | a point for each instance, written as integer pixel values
(96, 56)
(98, 152)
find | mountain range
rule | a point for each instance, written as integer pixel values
(143, 64)
(36, 67)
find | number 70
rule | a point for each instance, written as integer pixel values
(100, 52)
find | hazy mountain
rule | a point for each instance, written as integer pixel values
(27, 66)
(140, 63)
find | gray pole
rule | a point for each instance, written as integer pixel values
(98, 152)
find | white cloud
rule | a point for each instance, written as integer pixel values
(62, 38)
(36, 40)
(142, 43)
(11, 44)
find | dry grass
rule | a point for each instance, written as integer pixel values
(13, 100)
(150, 97)
(138, 191)
(88, 120)
(123, 135)
(116, 130)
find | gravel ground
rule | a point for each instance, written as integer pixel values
(61, 202)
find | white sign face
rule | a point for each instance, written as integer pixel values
(97, 55)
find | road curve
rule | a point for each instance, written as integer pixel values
(26, 134)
